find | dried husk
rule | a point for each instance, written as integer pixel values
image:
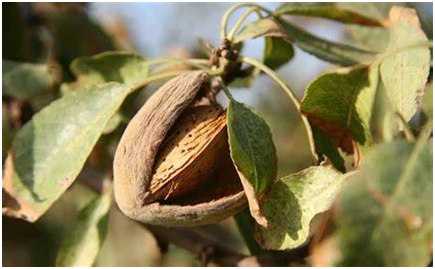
(145, 192)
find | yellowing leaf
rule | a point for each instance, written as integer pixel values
(293, 202)
(253, 153)
(50, 150)
(81, 245)
(404, 71)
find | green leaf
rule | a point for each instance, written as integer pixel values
(247, 81)
(277, 52)
(385, 213)
(405, 71)
(114, 122)
(329, 51)
(293, 202)
(326, 10)
(384, 123)
(326, 148)
(340, 104)
(253, 153)
(326, 50)
(50, 150)
(123, 67)
(427, 105)
(245, 226)
(81, 245)
(23, 80)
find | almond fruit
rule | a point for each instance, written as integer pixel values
(172, 165)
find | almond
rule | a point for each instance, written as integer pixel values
(172, 165)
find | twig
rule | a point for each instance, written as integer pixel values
(205, 249)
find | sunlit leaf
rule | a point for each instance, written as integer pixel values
(385, 214)
(50, 150)
(277, 52)
(23, 80)
(81, 245)
(340, 104)
(405, 72)
(326, 10)
(253, 153)
(293, 202)
(371, 38)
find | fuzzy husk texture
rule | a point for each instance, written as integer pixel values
(136, 154)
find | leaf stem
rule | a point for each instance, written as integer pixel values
(426, 131)
(230, 11)
(408, 132)
(224, 88)
(240, 22)
(290, 94)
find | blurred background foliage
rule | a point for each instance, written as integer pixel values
(51, 35)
